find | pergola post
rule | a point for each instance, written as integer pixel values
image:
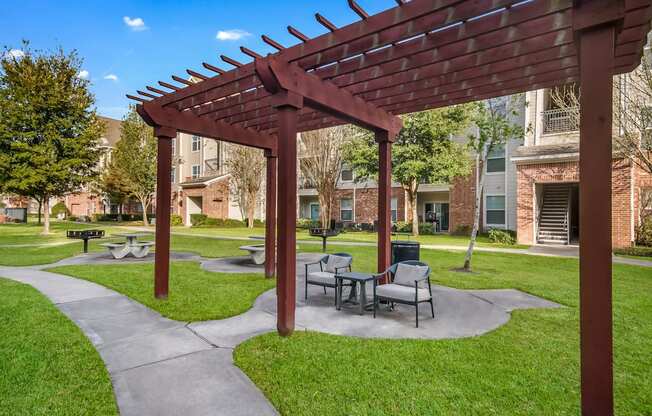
(270, 216)
(287, 106)
(596, 42)
(165, 136)
(384, 199)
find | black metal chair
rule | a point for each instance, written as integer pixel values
(325, 276)
(407, 285)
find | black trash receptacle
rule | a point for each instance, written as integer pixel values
(405, 250)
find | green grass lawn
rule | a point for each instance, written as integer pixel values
(195, 294)
(47, 366)
(528, 367)
(358, 236)
(39, 253)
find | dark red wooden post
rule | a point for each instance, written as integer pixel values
(596, 41)
(270, 216)
(288, 108)
(384, 199)
(165, 136)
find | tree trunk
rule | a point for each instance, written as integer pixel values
(46, 215)
(412, 199)
(479, 180)
(324, 210)
(40, 206)
(251, 211)
(144, 204)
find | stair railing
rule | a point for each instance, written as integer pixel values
(540, 208)
(567, 215)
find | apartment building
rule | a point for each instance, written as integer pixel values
(200, 181)
(86, 203)
(547, 167)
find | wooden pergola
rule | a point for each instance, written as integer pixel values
(419, 55)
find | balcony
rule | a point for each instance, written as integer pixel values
(212, 167)
(305, 183)
(560, 120)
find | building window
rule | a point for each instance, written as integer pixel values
(174, 146)
(394, 209)
(346, 209)
(496, 160)
(173, 174)
(196, 171)
(196, 143)
(495, 210)
(347, 173)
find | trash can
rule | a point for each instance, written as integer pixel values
(405, 250)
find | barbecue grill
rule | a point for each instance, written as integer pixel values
(85, 235)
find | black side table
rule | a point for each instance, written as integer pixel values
(361, 280)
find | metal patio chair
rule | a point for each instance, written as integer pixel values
(409, 284)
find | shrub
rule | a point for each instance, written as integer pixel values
(198, 219)
(463, 230)
(60, 208)
(504, 237)
(644, 233)
(176, 220)
(306, 223)
(426, 229)
(634, 251)
(403, 227)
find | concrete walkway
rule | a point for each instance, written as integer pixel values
(158, 366)
(164, 367)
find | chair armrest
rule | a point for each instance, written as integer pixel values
(421, 279)
(379, 275)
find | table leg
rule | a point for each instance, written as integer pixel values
(363, 297)
(323, 244)
(338, 293)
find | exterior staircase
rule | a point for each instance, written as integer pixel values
(553, 216)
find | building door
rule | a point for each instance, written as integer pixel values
(314, 212)
(444, 216)
(437, 214)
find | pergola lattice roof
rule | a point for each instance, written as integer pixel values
(419, 55)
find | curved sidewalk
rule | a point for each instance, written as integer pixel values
(159, 366)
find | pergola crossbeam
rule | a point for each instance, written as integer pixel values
(324, 96)
(187, 122)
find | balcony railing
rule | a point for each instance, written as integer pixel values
(305, 183)
(560, 120)
(212, 167)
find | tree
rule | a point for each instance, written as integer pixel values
(49, 131)
(423, 152)
(247, 168)
(493, 118)
(112, 186)
(632, 112)
(134, 161)
(321, 164)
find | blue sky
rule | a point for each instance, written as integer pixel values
(129, 44)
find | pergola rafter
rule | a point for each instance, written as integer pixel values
(419, 55)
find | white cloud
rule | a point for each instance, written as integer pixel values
(136, 23)
(232, 34)
(15, 53)
(83, 74)
(111, 77)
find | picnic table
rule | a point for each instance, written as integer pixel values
(131, 246)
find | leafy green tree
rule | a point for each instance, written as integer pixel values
(112, 187)
(423, 152)
(134, 160)
(49, 130)
(495, 121)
